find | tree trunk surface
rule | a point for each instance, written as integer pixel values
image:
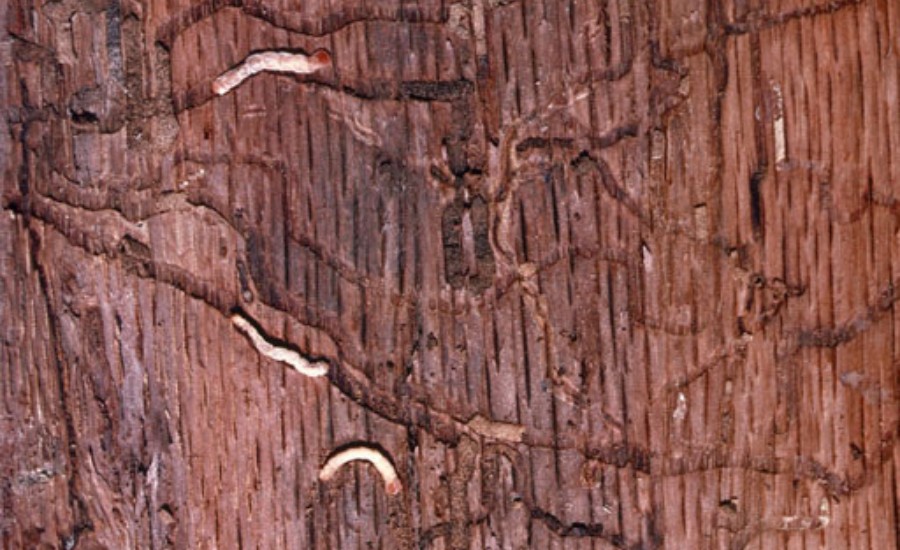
(586, 273)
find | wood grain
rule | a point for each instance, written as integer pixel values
(593, 274)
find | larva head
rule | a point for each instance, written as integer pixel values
(321, 58)
(393, 487)
(220, 87)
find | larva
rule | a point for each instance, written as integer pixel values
(284, 355)
(392, 484)
(282, 62)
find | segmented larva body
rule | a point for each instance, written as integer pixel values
(392, 484)
(282, 62)
(278, 353)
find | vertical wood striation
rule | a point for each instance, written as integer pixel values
(588, 274)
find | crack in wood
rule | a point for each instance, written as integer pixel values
(296, 22)
(756, 21)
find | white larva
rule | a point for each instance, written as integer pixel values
(282, 62)
(778, 127)
(298, 362)
(392, 484)
(780, 140)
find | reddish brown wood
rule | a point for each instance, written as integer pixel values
(591, 274)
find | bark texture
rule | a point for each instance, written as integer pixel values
(590, 273)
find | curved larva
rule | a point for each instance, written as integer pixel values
(392, 484)
(283, 62)
(289, 356)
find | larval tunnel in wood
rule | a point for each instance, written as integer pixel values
(451, 274)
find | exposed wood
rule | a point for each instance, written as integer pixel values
(582, 273)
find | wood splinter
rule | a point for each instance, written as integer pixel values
(298, 362)
(281, 62)
(392, 484)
